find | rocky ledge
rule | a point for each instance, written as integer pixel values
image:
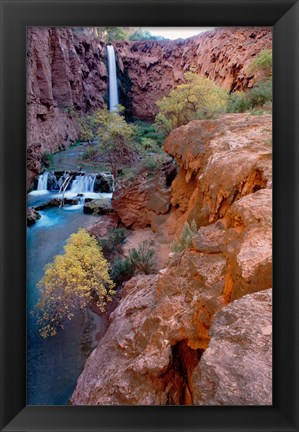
(157, 349)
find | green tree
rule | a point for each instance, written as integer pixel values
(73, 281)
(262, 65)
(197, 98)
(115, 137)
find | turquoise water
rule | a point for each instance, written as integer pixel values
(54, 364)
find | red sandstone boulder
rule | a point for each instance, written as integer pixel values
(236, 369)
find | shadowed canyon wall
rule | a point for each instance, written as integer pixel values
(151, 69)
(67, 75)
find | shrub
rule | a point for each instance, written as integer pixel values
(260, 94)
(185, 241)
(121, 271)
(73, 280)
(47, 159)
(143, 259)
(146, 130)
(262, 64)
(115, 239)
(198, 98)
(237, 102)
(91, 153)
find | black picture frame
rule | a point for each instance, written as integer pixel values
(16, 15)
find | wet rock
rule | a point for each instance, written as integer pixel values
(104, 183)
(236, 369)
(32, 216)
(57, 202)
(98, 206)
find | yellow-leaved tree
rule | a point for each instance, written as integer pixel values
(198, 98)
(73, 281)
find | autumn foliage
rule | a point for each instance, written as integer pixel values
(71, 282)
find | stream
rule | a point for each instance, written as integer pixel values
(54, 364)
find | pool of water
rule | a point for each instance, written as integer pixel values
(54, 364)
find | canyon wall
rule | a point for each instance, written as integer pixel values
(199, 332)
(66, 76)
(150, 69)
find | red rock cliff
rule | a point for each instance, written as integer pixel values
(66, 72)
(222, 55)
(160, 348)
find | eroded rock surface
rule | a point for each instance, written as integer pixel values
(139, 201)
(66, 73)
(150, 69)
(220, 162)
(152, 349)
(236, 369)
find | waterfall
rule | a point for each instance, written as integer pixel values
(42, 181)
(83, 183)
(113, 91)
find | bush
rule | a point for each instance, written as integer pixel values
(91, 153)
(198, 98)
(115, 239)
(73, 280)
(260, 94)
(237, 102)
(149, 164)
(262, 64)
(47, 159)
(185, 241)
(143, 259)
(149, 131)
(121, 271)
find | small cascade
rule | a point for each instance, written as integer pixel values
(113, 90)
(43, 181)
(83, 183)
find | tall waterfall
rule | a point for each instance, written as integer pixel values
(113, 90)
(42, 181)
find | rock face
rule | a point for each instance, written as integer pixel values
(140, 201)
(32, 216)
(99, 206)
(220, 162)
(66, 73)
(150, 69)
(160, 331)
(236, 369)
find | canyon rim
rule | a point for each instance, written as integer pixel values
(149, 252)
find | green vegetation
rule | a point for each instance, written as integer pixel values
(121, 271)
(198, 98)
(115, 239)
(262, 65)
(143, 259)
(115, 137)
(73, 281)
(112, 33)
(261, 93)
(148, 136)
(185, 240)
(47, 159)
